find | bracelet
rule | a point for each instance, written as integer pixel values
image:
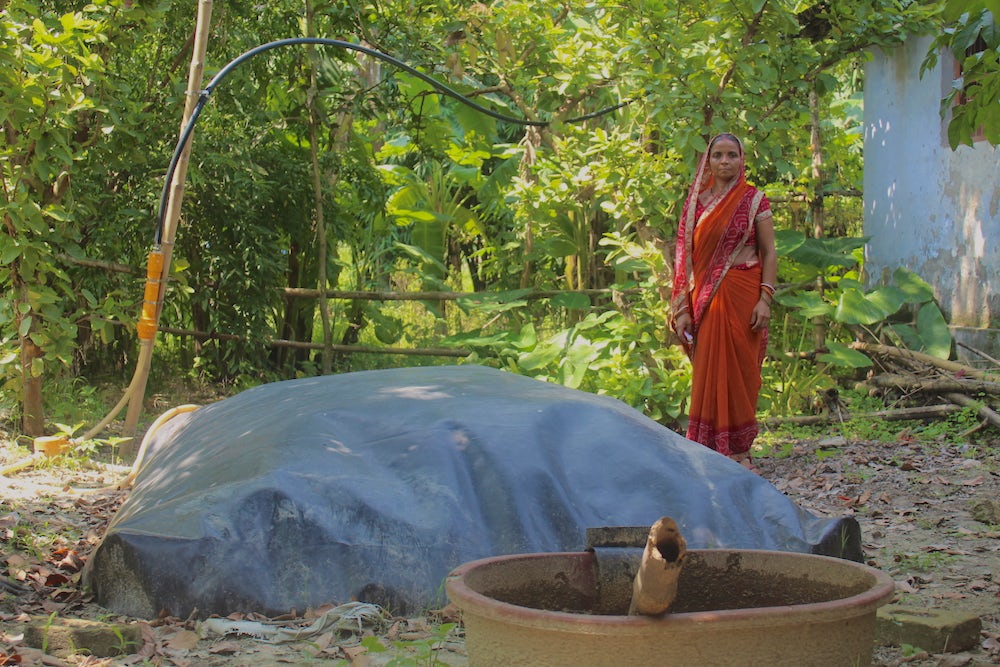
(769, 287)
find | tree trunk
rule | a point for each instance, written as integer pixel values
(33, 417)
(816, 205)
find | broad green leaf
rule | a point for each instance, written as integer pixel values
(806, 304)
(543, 355)
(786, 241)
(908, 335)
(9, 250)
(469, 304)
(527, 338)
(24, 327)
(934, 331)
(843, 356)
(913, 286)
(472, 121)
(855, 308)
(571, 300)
(476, 339)
(578, 359)
(388, 329)
(824, 253)
(888, 298)
(558, 247)
(631, 265)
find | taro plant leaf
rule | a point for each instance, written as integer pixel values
(786, 241)
(889, 298)
(823, 253)
(933, 330)
(908, 335)
(913, 286)
(806, 304)
(855, 308)
(843, 356)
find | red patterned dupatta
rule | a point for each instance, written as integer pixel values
(727, 354)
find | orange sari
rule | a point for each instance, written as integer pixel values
(726, 354)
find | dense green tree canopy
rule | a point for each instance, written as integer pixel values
(407, 188)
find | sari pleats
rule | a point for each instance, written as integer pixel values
(726, 366)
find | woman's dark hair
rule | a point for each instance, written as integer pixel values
(726, 135)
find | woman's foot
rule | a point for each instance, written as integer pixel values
(744, 460)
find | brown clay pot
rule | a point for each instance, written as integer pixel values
(733, 607)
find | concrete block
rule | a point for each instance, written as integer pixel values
(64, 637)
(933, 630)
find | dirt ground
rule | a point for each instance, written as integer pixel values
(929, 516)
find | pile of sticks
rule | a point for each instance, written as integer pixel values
(924, 379)
(914, 373)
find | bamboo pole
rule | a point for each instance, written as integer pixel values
(308, 293)
(137, 388)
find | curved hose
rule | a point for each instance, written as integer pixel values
(146, 439)
(323, 41)
(150, 311)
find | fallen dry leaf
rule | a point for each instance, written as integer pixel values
(227, 647)
(182, 640)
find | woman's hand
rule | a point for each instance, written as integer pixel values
(684, 328)
(761, 315)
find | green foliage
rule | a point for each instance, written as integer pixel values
(900, 313)
(413, 652)
(972, 35)
(418, 191)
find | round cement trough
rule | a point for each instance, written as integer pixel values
(733, 607)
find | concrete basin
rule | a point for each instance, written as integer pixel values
(734, 607)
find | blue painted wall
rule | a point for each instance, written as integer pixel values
(927, 207)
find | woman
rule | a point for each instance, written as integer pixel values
(725, 269)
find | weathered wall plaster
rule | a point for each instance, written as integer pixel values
(928, 208)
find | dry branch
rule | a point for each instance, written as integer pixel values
(904, 355)
(898, 414)
(910, 383)
(985, 412)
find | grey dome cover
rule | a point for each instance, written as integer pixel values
(374, 485)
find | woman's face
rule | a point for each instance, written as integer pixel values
(724, 159)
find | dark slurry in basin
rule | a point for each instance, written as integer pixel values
(702, 588)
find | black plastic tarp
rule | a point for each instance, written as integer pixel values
(374, 485)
